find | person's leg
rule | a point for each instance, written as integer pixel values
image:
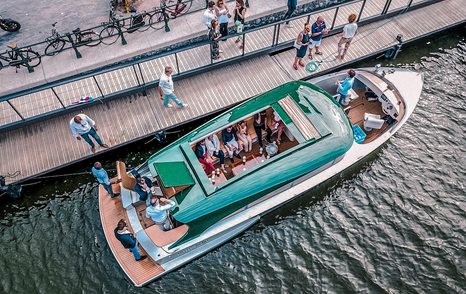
(135, 251)
(269, 135)
(94, 134)
(347, 44)
(258, 131)
(249, 139)
(318, 52)
(224, 29)
(221, 157)
(166, 99)
(339, 48)
(109, 190)
(175, 99)
(342, 99)
(87, 139)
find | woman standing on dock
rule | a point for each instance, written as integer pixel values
(349, 30)
(214, 36)
(222, 15)
(240, 14)
(301, 43)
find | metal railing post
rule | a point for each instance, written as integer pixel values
(244, 42)
(278, 34)
(177, 65)
(78, 54)
(247, 3)
(120, 32)
(274, 34)
(410, 3)
(386, 7)
(98, 87)
(16, 110)
(165, 19)
(143, 81)
(335, 17)
(58, 98)
(362, 9)
(211, 46)
(137, 80)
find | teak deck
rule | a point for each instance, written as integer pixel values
(39, 148)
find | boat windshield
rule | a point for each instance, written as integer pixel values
(250, 141)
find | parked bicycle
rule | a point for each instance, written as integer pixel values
(112, 29)
(156, 18)
(181, 7)
(19, 57)
(9, 25)
(57, 42)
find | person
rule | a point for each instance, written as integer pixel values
(209, 15)
(230, 140)
(260, 119)
(277, 124)
(144, 187)
(82, 126)
(345, 86)
(240, 14)
(212, 144)
(302, 40)
(201, 155)
(158, 212)
(292, 4)
(166, 84)
(318, 30)
(127, 239)
(243, 136)
(102, 177)
(349, 30)
(214, 36)
(222, 12)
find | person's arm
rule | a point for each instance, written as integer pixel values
(244, 13)
(90, 121)
(168, 203)
(74, 130)
(299, 40)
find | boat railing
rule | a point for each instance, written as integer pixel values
(63, 96)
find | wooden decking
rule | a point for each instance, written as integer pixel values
(48, 145)
(111, 211)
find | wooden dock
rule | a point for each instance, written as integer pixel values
(48, 145)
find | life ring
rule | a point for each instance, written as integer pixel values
(312, 66)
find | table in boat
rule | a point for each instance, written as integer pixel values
(251, 162)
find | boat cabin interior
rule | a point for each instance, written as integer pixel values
(372, 104)
(284, 126)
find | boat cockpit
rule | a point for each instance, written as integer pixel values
(372, 104)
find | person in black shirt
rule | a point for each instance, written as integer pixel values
(260, 119)
(127, 239)
(230, 140)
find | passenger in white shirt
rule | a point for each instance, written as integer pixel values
(212, 143)
(349, 30)
(83, 126)
(209, 14)
(158, 212)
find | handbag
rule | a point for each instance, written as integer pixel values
(296, 45)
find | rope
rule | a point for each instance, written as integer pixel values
(13, 175)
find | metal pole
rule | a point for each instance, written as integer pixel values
(56, 95)
(120, 32)
(16, 110)
(387, 5)
(98, 87)
(274, 34)
(362, 9)
(211, 45)
(177, 65)
(335, 17)
(244, 42)
(165, 19)
(247, 3)
(410, 2)
(78, 54)
(143, 81)
(278, 33)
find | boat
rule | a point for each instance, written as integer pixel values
(319, 139)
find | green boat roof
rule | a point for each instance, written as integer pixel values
(173, 173)
(204, 204)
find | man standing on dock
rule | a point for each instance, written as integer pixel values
(166, 84)
(318, 30)
(102, 177)
(83, 126)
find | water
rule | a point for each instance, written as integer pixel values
(394, 223)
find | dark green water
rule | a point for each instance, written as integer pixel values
(394, 223)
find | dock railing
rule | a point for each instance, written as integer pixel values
(139, 75)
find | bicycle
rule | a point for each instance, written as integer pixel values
(20, 57)
(57, 42)
(157, 20)
(112, 29)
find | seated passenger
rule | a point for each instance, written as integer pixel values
(144, 188)
(158, 212)
(230, 140)
(213, 149)
(276, 124)
(243, 136)
(260, 119)
(201, 155)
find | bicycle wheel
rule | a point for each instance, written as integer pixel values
(90, 39)
(184, 6)
(1, 65)
(109, 35)
(146, 21)
(55, 47)
(32, 57)
(156, 21)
